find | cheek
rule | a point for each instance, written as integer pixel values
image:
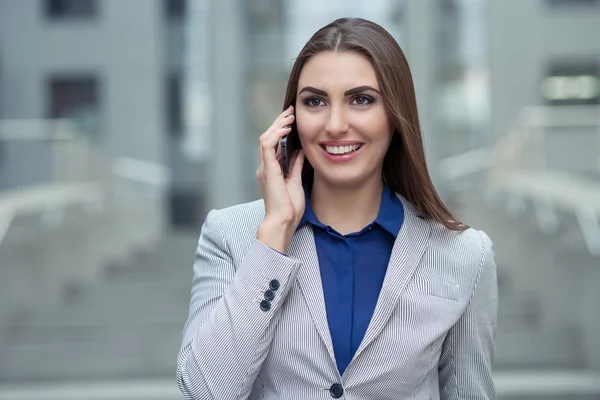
(386, 132)
(373, 124)
(308, 127)
(383, 127)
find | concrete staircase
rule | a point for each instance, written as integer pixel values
(126, 326)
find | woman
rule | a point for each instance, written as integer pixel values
(350, 279)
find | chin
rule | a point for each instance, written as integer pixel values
(343, 177)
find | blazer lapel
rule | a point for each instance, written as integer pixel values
(408, 249)
(303, 248)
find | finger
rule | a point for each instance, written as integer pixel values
(285, 118)
(282, 116)
(269, 144)
(269, 140)
(287, 111)
(282, 121)
(297, 163)
(272, 138)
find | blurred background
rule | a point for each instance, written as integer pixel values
(123, 122)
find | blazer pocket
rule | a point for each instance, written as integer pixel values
(435, 288)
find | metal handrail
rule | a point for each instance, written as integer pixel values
(65, 190)
(7, 215)
(36, 129)
(64, 187)
(516, 165)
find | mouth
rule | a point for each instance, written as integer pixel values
(341, 150)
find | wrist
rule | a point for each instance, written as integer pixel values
(275, 234)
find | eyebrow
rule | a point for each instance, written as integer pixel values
(350, 92)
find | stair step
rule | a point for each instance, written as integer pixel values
(150, 356)
(93, 334)
(46, 330)
(162, 388)
(165, 276)
(145, 286)
(571, 384)
(118, 299)
(519, 312)
(556, 348)
(100, 316)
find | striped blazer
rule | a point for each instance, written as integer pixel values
(431, 335)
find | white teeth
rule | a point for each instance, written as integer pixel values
(342, 149)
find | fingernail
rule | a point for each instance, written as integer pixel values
(287, 127)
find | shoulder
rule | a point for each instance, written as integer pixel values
(469, 246)
(471, 243)
(466, 254)
(241, 213)
(235, 224)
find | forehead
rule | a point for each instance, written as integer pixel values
(333, 70)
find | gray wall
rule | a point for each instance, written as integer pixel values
(122, 45)
(523, 37)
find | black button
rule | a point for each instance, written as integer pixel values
(265, 305)
(274, 284)
(269, 295)
(336, 390)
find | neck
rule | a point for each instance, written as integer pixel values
(346, 209)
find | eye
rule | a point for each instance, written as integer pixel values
(313, 102)
(362, 100)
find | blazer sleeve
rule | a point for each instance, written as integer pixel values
(465, 368)
(227, 334)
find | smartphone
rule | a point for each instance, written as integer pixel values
(286, 156)
(288, 145)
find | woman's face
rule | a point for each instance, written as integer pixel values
(341, 119)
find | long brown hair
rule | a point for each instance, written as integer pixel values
(404, 167)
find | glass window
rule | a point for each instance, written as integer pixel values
(71, 8)
(175, 9)
(76, 98)
(571, 82)
(572, 3)
(173, 106)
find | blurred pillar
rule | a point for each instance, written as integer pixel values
(420, 30)
(228, 88)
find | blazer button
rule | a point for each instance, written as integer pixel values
(274, 284)
(265, 305)
(336, 390)
(269, 295)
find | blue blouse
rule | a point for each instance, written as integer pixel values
(352, 270)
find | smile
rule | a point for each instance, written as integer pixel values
(341, 150)
(341, 154)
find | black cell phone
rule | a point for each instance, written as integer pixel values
(286, 156)
(288, 145)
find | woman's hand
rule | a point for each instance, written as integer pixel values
(284, 198)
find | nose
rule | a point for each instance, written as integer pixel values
(337, 123)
